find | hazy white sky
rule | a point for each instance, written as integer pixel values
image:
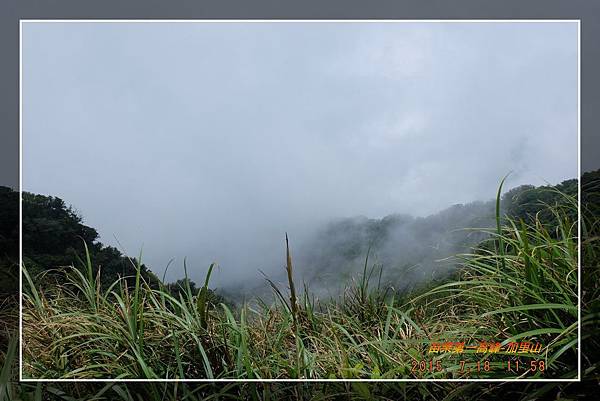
(210, 140)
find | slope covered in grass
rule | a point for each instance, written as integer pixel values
(519, 284)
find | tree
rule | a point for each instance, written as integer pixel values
(54, 237)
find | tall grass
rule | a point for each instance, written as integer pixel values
(519, 284)
(522, 283)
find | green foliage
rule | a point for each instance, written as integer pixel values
(54, 237)
(180, 286)
(527, 202)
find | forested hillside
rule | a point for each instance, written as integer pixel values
(413, 250)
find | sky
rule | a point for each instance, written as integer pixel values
(211, 140)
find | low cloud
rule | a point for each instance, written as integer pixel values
(211, 140)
